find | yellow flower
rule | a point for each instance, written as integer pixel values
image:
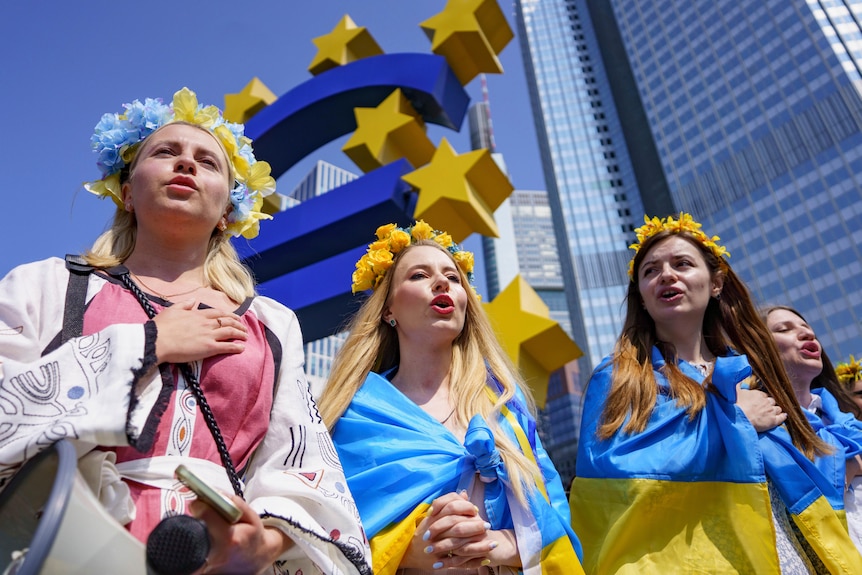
(398, 240)
(378, 245)
(380, 260)
(422, 231)
(260, 180)
(363, 277)
(384, 231)
(109, 187)
(464, 259)
(444, 239)
(686, 223)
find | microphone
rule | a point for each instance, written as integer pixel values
(178, 545)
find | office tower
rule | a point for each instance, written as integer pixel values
(745, 113)
(539, 263)
(527, 246)
(320, 353)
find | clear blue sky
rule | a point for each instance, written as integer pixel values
(64, 64)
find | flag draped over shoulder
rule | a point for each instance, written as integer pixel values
(398, 459)
(690, 495)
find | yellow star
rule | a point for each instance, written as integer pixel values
(536, 344)
(254, 97)
(469, 34)
(346, 43)
(460, 193)
(391, 131)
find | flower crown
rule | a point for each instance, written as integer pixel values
(117, 138)
(849, 372)
(391, 239)
(685, 223)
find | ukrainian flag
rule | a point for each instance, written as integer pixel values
(398, 459)
(691, 496)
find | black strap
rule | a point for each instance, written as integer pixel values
(76, 297)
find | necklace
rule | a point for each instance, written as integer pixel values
(442, 422)
(161, 295)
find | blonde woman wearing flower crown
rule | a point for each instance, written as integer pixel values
(694, 455)
(436, 434)
(167, 355)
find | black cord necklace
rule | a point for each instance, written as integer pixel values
(195, 386)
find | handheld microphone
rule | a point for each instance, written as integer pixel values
(178, 545)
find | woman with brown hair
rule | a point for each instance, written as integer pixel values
(681, 466)
(826, 403)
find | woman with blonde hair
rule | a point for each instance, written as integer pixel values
(694, 455)
(156, 351)
(435, 432)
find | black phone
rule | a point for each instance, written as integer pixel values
(218, 501)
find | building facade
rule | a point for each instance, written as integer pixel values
(744, 113)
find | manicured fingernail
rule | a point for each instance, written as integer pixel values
(437, 565)
(429, 549)
(476, 508)
(493, 545)
(487, 526)
(486, 562)
(431, 510)
(426, 536)
(463, 492)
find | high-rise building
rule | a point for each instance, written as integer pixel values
(745, 113)
(320, 353)
(527, 246)
(539, 264)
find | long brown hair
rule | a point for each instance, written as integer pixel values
(827, 378)
(731, 321)
(373, 346)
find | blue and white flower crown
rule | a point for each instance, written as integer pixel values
(117, 138)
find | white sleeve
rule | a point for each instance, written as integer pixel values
(82, 391)
(295, 480)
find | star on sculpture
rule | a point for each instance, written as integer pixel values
(460, 192)
(389, 132)
(536, 344)
(242, 106)
(346, 43)
(469, 34)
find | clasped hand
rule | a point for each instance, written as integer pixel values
(454, 535)
(186, 333)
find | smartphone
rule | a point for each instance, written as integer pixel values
(218, 501)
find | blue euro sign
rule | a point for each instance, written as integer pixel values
(304, 258)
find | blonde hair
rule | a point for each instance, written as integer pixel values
(222, 268)
(731, 321)
(373, 346)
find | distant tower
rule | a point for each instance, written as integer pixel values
(320, 353)
(527, 245)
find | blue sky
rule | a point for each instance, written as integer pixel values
(64, 64)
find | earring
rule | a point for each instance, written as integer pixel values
(129, 207)
(718, 296)
(392, 322)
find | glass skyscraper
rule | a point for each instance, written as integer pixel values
(745, 113)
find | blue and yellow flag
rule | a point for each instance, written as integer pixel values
(691, 495)
(398, 459)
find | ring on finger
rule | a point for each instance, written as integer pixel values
(450, 555)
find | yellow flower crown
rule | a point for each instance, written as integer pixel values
(685, 223)
(117, 139)
(391, 239)
(849, 372)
